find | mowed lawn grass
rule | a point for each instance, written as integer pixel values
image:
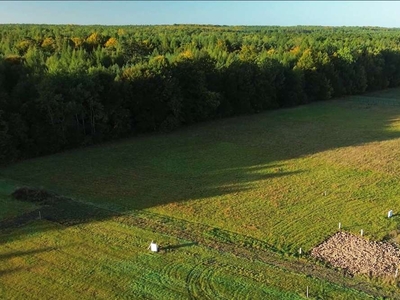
(109, 260)
(287, 177)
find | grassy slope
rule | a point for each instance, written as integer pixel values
(263, 176)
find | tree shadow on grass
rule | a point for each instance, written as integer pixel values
(18, 254)
(14, 254)
(218, 158)
(69, 212)
(10, 271)
(175, 247)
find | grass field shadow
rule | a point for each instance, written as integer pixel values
(23, 253)
(206, 161)
(10, 271)
(178, 246)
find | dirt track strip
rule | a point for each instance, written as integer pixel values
(204, 236)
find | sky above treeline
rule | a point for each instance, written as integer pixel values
(281, 13)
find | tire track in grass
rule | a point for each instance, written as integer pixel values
(237, 289)
(173, 278)
(238, 245)
(251, 280)
(197, 283)
(304, 267)
(162, 279)
(240, 292)
(207, 279)
(151, 286)
(100, 236)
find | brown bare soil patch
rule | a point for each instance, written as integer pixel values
(357, 255)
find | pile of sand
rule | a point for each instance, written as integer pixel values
(357, 255)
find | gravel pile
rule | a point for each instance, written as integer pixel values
(357, 255)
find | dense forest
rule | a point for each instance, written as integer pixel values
(65, 86)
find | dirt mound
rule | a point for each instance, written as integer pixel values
(34, 195)
(357, 255)
(54, 208)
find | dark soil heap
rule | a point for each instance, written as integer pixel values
(54, 208)
(357, 255)
(39, 196)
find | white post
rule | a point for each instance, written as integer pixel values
(362, 232)
(300, 251)
(307, 291)
(340, 226)
(390, 213)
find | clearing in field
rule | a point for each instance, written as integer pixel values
(253, 188)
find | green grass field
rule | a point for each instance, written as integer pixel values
(272, 182)
(9, 208)
(107, 260)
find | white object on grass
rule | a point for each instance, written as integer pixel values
(153, 247)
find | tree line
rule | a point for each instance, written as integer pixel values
(65, 86)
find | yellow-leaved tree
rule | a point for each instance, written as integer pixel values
(111, 43)
(77, 41)
(94, 38)
(48, 44)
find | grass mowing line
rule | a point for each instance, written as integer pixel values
(242, 213)
(91, 235)
(38, 280)
(172, 223)
(50, 269)
(245, 250)
(76, 256)
(78, 229)
(233, 178)
(221, 240)
(297, 267)
(74, 270)
(74, 276)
